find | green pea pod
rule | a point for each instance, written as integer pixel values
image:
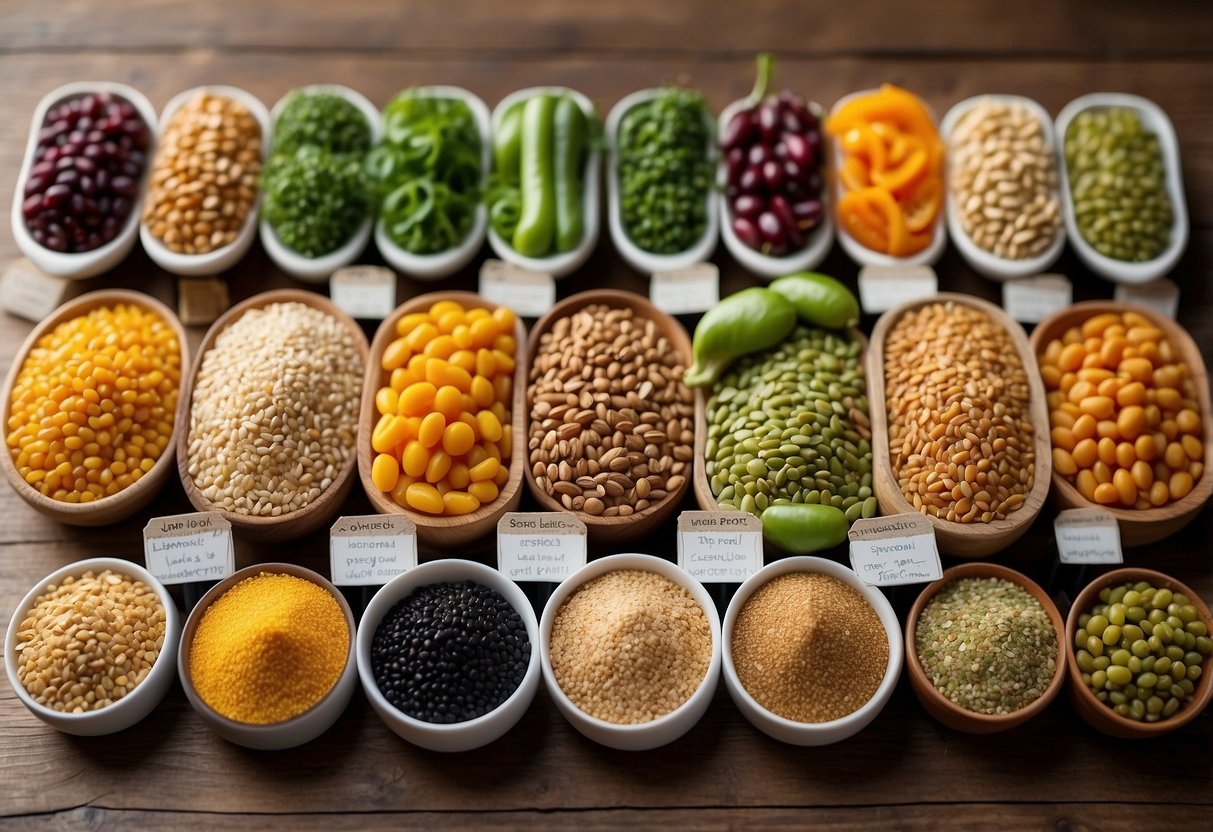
(537, 225)
(507, 144)
(801, 528)
(569, 149)
(819, 299)
(749, 321)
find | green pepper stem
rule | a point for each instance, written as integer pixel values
(762, 81)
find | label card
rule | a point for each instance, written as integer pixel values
(691, 290)
(1087, 536)
(1030, 300)
(185, 548)
(28, 292)
(721, 547)
(370, 550)
(367, 292)
(883, 287)
(1161, 295)
(540, 546)
(530, 294)
(201, 300)
(896, 550)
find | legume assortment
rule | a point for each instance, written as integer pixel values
(92, 404)
(89, 641)
(611, 420)
(958, 402)
(1126, 423)
(1142, 650)
(987, 645)
(274, 415)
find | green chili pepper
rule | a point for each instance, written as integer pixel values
(801, 528)
(748, 321)
(569, 151)
(819, 299)
(507, 144)
(537, 225)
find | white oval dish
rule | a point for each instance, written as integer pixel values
(565, 263)
(819, 242)
(1154, 119)
(986, 262)
(860, 253)
(135, 705)
(459, 736)
(643, 261)
(809, 733)
(645, 735)
(78, 266)
(446, 263)
(213, 262)
(318, 269)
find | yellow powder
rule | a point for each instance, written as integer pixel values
(269, 649)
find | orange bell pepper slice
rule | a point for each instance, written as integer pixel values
(913, 168)
(855, 173)
(874, 218)
(890, 104)
(863, 142)
(922, 204)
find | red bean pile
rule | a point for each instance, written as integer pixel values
(87, 166)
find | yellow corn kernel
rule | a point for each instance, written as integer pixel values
(441, 347)
(386, 400)
(389, 431)
(503, 386)
(385, 472)
(407, 323)
(415, 459)
(417, 398)
(482, 391)
(422, 335)
(459, 502)
(485, 491)
(485, 471)
(447, 321)
(465, 359)
(463, 336)
(486, 364)
(424, 497)
(459, 476)
(505, 362)
(439, 466)
(444, 373)
(396, 354)
(490, 426)
(449, 402)
(401, 489)
(503, 476)
(458, 438)
(505, 318)
(429, 433)
(442, 307)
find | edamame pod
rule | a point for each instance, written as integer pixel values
(537, 225)
(569, 151)
(819, 299)
(748, 321)
(507, 144)
(801, 528)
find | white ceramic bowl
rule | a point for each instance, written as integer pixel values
(88, 263)
(446, 263)
(1154, 119)
(809, 733)
(860, 253)
(135, 705)
(986, 262)
(293, 732)
(558, 265)
(459, 736)
(819, 242)
(318, 269)
(213, 262)
(643, 261)
(645, 735)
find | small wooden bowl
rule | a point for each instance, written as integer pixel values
(611, 529)
(323, 508)
(1098, 715)
(1138, 528)
(944, 709)
(962, 540)
(118, 506)
(442, 530)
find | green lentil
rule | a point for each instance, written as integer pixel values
(987, 645)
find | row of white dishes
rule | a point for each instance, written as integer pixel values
(719, 212)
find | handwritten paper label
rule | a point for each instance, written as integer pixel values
(540, 546)
(28, 292)
(883, 287)
(370, 550)
(686, 291)
(1030, 300)
(896, 550)
(185, 548)
(367, 292)
(1087, 536)
(721, 547)
(201, 300)
(1161, 295)
(530, 294)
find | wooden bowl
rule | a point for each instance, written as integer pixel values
(611, 529)
(1139, 528)
(316, 513)
(442, 531)
(962, 540)
(1097, 714)
(944, 709)
(118, 506)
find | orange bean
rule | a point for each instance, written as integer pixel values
(1167, 376)
(424, 497)
(1180, 485)
(385, 472)
(1159, 493)
(1063, 462)
(1073, 335)
(1192, 446)
(1131, 422)
(1097, 324)
(1051, 375)
(1137, 369)
(1071, 357)
(1107, 428)
(1106, 448)
(1102, 471)
(1101, 407)
(1125, 454)
(1143, 475)
(1126, 488)
(1188, 421)
(459, 502)
(1106, 494)
(1168, 398)
(458, 438)
(407, 323)
(449, 402)
(1061, 419)
(1133, 393)
(1111, 352)
(1062, 438)
(1080, 390)
(1084, 427)
(1085, 483)
(438, 467)
(1085, 453)
(415, 459)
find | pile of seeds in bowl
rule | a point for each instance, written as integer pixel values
(987, 645)
(89, 641)
(274, 416)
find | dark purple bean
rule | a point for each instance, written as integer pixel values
(813, 137)
(123, 185)
(751, 180)
(792, 172)
(130, 169)
(51, 156)
(85, 124)
(87, 186)
(782, 209)
(800, 151)
(121, 207)
(85, 164)
(768, 122)
(90, 106)
(76, 136)
(60, 127)
(55, 242)
(738, 131)
(68, 177)
(807, 211)
(56, 195)
(43, 168)
(748, 206)
(127, 110)
(772, 175)
(781, 150)
(93, 151)
(39, 236)
(102, 179)
(65, 163)
(35, 185)
(814, 183)
(32, 206)
(772, 229)
(45, 135)
(110, 228)
(758, 154)
(791, 122)
(747, 232)
(95, 241)
(735, 164)
(94, 137)
(75, 206)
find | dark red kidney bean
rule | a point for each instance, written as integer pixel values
(734, 165)
(781, 150)
(120, 207)
(772, 175)
(800, 151)
(67, 176)
(751, 180)
(35, 185)
(32, 206)
(807, 210)
(85, 164)
(43, 168)
(772, 229)
(748, 206)
(87, 186)
(55, 242)
(103, 179)
(758, 154)
(768, 122)
(56, 195)
(814, 182)
(738, 131)
(110, 228)
(51, 155)
(792, 172)
(65, 163)
(782, 209)
(747, 232)
(791, 122)
(123, 185)
(93, 151)
(130, 169)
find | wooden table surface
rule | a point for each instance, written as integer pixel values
(904, 771)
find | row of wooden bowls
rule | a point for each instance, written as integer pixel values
(959, 539)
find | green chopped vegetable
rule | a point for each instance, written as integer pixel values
(321, 120)
(315, 200)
